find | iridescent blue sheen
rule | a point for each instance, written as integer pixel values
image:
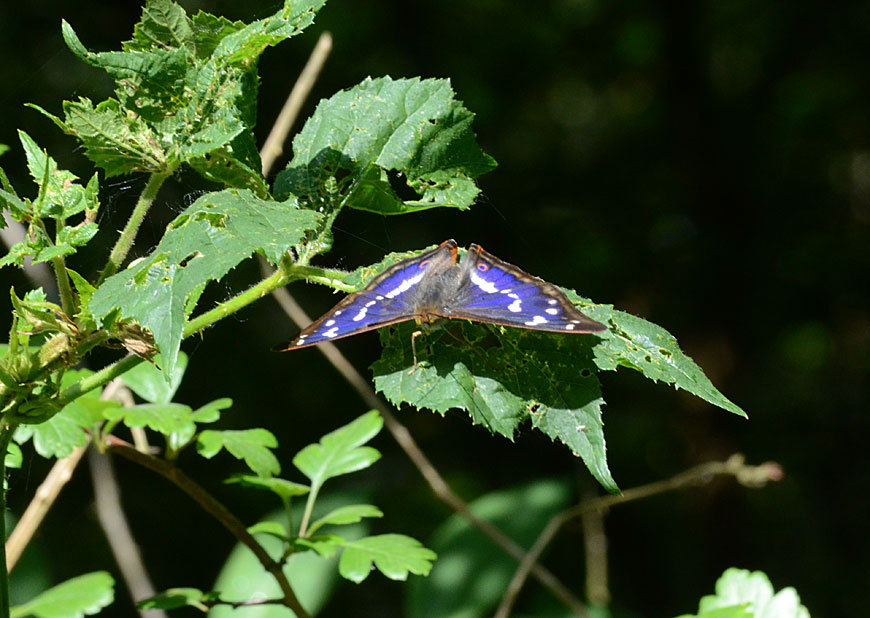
(432, 286)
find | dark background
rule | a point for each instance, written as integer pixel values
(705, 165)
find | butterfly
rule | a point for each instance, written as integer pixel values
(432, 286)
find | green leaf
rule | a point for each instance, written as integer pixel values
(341, 451)
(283, 488)
(412, 129)
(173, 598)
(313, 578)
(503, 377)
(148, 382)
(472, 574)
(185, 93)
(326, 545)
(251, 445)
(752, 593)
(350, 514)
(164, 418)
(77, 597)
(14, 456)
(646, 347)
(394, 555)
(211, 412)
(59, 435)
(272, 528)
(205, 242)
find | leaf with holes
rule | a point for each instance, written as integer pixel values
(202, 244)
(503, 377)
(409, 132)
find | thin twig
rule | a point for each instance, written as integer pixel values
(216, 509)
(60, 474)
(111, 514)
(274, 144)
(749, 476)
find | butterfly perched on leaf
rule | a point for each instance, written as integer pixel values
(433, 286)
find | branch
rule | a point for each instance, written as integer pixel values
(748, 476)
(214, 508)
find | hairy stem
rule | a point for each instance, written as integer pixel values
(128, 234)
(67, 299)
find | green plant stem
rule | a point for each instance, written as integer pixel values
(98, 379)
(128, 234)
(281, 277)
(217, 510)
(67, 298)
(6, 432)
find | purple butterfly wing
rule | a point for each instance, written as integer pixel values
(499, 293)
(389, 298)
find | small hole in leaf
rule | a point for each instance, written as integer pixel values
(399, 185)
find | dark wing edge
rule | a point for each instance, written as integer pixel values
(573, 321)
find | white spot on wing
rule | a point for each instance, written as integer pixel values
(371, 302)
(515, 306)
(569, 327)
(332, 332)
(329, 322)
(483, 284)
(362, 313)
(552, 301)
(552, 310)
(405, 285)
(538, 319)
(505, 291)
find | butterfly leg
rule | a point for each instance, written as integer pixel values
(414, 336)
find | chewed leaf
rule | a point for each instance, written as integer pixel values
(646, 347)
(412, 130)
(202, 244)
(505, 377)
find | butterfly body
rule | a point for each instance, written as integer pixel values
(433, 286)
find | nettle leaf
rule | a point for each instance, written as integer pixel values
(646, 347)
(212, 236)
(59, 435)
(250, 445)
(394, 555)
(503, 377)
(186, 91)
(115, 141)
(341, 451)
(77, 597)
(60, 197)
(412, 131)
(350, 514)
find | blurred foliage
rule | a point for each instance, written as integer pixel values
(703, 165)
